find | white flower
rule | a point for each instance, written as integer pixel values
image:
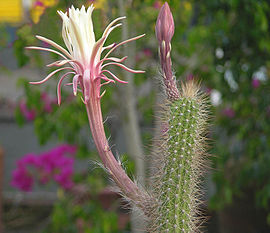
(78, 33)
(83, 53)
(215, 97)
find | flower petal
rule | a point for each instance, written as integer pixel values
(114, 59)
(124, 67)
(75, 84)
(97, 49)
(59, 87)
(117, 79)
(52, 43)
(46, 49)
(123, 42)
(51, 74)
(63, 62)
(106, 31)
(86, 85)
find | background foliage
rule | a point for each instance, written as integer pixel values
(225, 43)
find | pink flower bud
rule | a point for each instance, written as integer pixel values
(165, 24)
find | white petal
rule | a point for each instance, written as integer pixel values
(78, 33)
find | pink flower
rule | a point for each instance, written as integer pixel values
(157, 5)
(30, 159)
(64, 178)
(47, 101)
(83, 54)
(29, 114)
(22, 180)
(190, 77)
(147, 52)
(90, 72)
(208, 90)
(45, 45)
(256, 83)
(38, 3)
(268, 111)
(228, 112)
(52, 165)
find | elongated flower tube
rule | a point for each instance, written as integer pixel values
(90, 73)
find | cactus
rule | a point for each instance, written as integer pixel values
(180, 163)
(173, 203)
(180, 159)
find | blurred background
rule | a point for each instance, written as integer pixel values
(50, 179)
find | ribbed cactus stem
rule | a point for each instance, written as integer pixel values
(181, 164)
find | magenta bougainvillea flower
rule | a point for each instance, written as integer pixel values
(256, 83)
(83, 54)
(29, 114)
(157, 4)
(228, 112)
(48, 102)
(54, 165)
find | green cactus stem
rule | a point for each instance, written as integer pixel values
(181, 162)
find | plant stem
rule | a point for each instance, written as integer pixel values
(127, 186)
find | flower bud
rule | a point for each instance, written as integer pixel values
(165, 24)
